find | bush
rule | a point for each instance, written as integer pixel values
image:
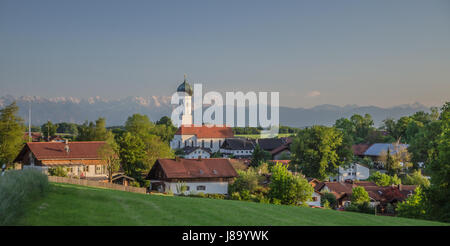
(57, 171)
(135, 184)
(329, 198)
(287, 188)
(382, 179)
(17, 187)
(247, 180)
(361, 208)
(235, 196)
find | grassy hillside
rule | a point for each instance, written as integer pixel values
(79, 205)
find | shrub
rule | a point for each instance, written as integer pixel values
(57, 171)
(235, 196)
(135, 184)
(216, 196)
(382, 179)
(416, 178)
(287, 188)
(17, 187)
(361, 208)
(329, 198)
(247, 180)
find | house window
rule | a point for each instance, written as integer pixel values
(314, 199)
(187, 187)
(211, 144)
(203, 143)
(201, 187)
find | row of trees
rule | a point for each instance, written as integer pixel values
(431, 144)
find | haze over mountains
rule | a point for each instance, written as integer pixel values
(75, 110)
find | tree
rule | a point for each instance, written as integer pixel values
(100, 132)
(93, 132)
(315, 151)
(416, 178)
(132, 154)
(413, 206)
(155, 149)
(259, 156)
(109, 153)
(382, 179)
(330, 198)
(139, 125)
(362, 126)
(397, 160)
(65, 127)
(360, 196)
(48, 130)
(246, 181)
(11, 133)
(437, 196)
(287, 188)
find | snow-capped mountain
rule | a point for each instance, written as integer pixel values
(71, 109)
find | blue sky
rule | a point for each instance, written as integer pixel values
(380, 53)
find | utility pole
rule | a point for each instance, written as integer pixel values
(29, 123)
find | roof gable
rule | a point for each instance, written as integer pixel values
(56, 150)
(194, 168)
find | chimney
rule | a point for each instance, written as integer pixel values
(66, 147)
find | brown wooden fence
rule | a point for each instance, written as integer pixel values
(96, 184)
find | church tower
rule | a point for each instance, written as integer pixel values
(185, 92)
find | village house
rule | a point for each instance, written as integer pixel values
(353, 171)
(196, 152)
(269, 144)
(240, 148)
(80, 159)
(380, 196)
(283, 151)
(316, 196)
(378, 150)
(209, 176)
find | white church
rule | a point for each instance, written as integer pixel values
(190, 135)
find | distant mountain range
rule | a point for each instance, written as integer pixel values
(70, 109)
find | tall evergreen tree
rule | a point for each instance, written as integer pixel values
(11, 133)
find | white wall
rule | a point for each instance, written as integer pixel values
(198, 153)
(211, 187)
(237, 152)
(354, 172)
(315, 203)
(178, 141)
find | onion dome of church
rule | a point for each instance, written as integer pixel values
(185, 87)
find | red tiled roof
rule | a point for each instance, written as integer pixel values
(359, 149)
(55, 150)
(195, 168)
(206, 131)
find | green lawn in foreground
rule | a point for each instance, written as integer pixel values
(80, 205)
